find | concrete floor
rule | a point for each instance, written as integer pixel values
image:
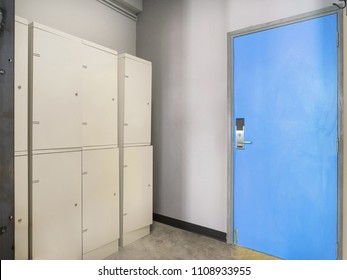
(170, 243)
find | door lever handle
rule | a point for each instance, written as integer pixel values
(244, 142)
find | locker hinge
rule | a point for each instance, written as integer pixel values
(337, 144)
(338, 39)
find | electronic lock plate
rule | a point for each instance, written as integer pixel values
(240, 134)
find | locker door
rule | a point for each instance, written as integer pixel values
(21, 86)
(100, 198)
(56, 206)
(138, 191)
(137, 102)
(21, 208)
(99, 88)
(56, 91)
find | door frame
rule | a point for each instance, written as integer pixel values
(230, 121)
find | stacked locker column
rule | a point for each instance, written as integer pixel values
(74, 155)
(136, 152)
(55, 144)
(21, 139)
(100, 156)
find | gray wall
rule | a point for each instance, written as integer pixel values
(345, 143)
(187, 42)
(87, 19)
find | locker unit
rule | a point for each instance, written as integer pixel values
(21, 243)
(137, 192)
(99, 93)
(100, 202)
(21, 85)
(73, 125)
(135, 100)
(56, 89)
(21, 216)
(56, 206)
(136, 154)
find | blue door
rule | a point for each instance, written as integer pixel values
(285, 139)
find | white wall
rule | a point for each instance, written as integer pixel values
(87, 19)
(187, 42)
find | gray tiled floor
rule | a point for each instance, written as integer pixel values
(170, 243)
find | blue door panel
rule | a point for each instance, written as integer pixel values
(285, 182)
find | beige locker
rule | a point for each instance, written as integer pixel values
(100, 198)
(56, 89)
(21, 215)
(56, 206)
(137, 188)
(21, 85)
(99, 91)
(135, 97)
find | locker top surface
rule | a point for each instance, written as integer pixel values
(129, 56)
(21, 20)
(36, 25)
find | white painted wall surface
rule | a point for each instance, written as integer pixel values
(87, 19)
(187, 42)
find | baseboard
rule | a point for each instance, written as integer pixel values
(190, 227)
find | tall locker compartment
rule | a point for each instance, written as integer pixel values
(21, 85)
(99, 95)
(137, 192)
(56, 89)
(136, 152)
(100, 203)
(21, 140)
(21, 214)
(135, 100)
(56, 206)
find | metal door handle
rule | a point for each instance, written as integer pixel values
(244, 142)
